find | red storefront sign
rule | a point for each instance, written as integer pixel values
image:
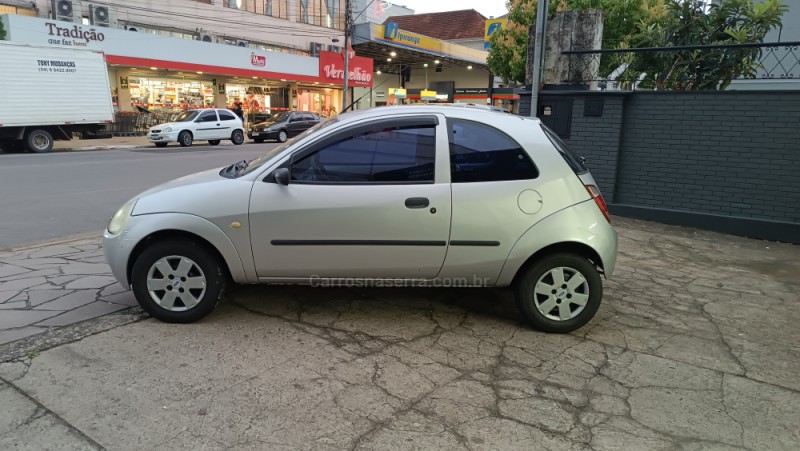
(331, 69)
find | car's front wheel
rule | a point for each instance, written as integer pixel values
(161, 144)
(178, 282)
(237, 137)
(185, 138)
(282, 136)
(559, 293)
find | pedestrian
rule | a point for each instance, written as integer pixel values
(237, 108)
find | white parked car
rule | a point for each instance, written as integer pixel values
(212, 125)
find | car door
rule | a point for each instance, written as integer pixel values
(228, 123)
(372, 200)
(206, 125)
(296, 124)
(308, 121)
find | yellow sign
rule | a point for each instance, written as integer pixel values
(402, 38)
(398, 93)
(492, 25)
(427, 95)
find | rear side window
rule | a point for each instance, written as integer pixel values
(480, 153)
(574, 161)
(225, 116)
(308, 116)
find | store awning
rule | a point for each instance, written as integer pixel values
(412, 49)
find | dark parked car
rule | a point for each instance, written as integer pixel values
(283, 126)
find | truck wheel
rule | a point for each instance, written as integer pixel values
(39, 141)
(185, 138)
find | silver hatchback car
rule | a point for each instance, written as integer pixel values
(425, 195)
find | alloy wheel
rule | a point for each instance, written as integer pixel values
(561, 293)
(176, 283)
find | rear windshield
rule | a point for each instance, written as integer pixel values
(574, 161)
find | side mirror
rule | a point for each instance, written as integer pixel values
(282, 176)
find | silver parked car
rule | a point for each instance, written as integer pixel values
(402, 196)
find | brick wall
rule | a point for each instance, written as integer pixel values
(721, 160)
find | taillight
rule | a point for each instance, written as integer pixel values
(598, 199)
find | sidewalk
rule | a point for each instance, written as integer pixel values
(118, 142)
(694, 347)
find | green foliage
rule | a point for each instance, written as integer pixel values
(509, 47)
(2, 31)
(654, 23)
(690, 23)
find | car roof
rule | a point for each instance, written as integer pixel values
(472, 110)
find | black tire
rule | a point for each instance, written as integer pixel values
(214, 142)
(259, 140)
(209, 268)
(185, 138)
(237, 137)
(545, 269)
(161, 144)
(39, 141)
(282, 136)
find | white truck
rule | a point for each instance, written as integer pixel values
(50, 93)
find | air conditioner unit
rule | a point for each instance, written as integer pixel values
(316, 47)
(334, 49)
(206, 37)
(102, 16)
(67, 11)
(242, 43)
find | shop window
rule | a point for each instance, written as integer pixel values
(480, 153)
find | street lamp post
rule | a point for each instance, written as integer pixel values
(347, 18)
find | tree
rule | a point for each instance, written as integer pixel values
(692, 23)
(2, 31)
(509, 47)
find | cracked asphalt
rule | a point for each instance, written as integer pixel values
(694, 348)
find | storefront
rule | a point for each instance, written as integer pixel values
(170, 74)
(428, 69)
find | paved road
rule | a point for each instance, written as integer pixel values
(72, 193)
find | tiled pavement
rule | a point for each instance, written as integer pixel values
(54, 286)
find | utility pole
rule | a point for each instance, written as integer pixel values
(538, 57)
(347, 18)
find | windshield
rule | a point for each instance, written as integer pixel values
(186, 116)
(260, 161)
(283, 117)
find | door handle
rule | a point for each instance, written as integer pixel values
(417, 202)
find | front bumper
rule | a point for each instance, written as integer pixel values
(117, 250)
(270, 134)
(162, 137)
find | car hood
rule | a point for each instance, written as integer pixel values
(168, 124)
(265, 124)
(206, 194)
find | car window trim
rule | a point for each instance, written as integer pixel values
(409, 121)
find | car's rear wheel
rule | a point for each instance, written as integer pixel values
(282, 136)
(178, 282)
(559, 293)
(185, 138)
(214, 142)
(237, 137)
(161, 144)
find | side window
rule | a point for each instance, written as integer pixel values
(296, 117)
(481, 153)
(208, 116)
(225, 116)
(386, 155)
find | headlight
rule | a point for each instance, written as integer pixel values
(167, 130)
(120, 219)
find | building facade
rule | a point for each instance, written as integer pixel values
(174, 54)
